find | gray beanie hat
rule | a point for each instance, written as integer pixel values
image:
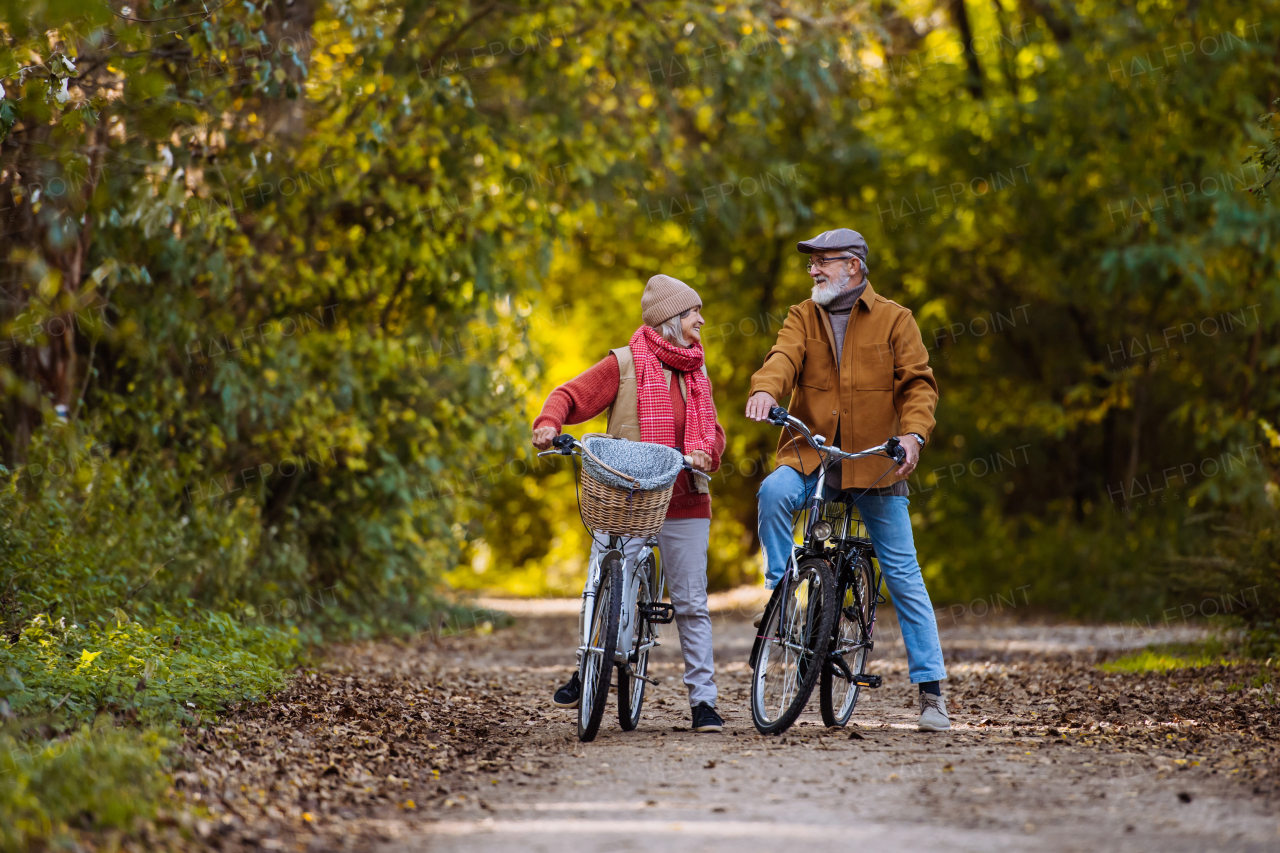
(665, 297)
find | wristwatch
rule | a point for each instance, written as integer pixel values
(917, 437)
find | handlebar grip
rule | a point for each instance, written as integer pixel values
(688, 464)
(778, 415)
(896, 450)
(562, 442)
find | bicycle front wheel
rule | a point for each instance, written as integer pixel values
(602, 640)
(792, 646)
(837, 693)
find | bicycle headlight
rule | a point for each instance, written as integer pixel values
(822, 531)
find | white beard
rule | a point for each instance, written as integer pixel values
(826, 292)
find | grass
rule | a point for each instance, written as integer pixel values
(1168, 656)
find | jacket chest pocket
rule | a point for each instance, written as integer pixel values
(818, 366)
(875, 367)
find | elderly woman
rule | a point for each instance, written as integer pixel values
(656, 389)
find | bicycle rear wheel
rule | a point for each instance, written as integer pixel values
(792, 646)
(837, 694)
(602, 640)
(631, 687)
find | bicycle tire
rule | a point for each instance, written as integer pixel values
(604, 631)
(631, 689)
(836, 696)
(807, 604)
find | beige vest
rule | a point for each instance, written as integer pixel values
(624, 414)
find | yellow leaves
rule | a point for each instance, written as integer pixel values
(50, 284)
(86, 659)
(271, 376)
(1272, 434)
(646, 100)
(703, 117)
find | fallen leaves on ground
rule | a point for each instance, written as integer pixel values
(360, 747)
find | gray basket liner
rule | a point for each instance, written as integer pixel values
(653, 465)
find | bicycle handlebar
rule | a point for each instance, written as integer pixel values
(891, 448)
(563, 445)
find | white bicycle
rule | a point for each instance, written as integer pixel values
(621, 603)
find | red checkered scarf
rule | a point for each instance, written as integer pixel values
(653, 394)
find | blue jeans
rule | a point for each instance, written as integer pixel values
(889, 523)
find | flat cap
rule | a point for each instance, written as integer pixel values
(840, 238)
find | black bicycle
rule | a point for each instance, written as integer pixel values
(819, 622)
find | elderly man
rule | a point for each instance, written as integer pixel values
(857, 371)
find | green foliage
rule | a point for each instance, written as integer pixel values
(1267, 156)
(303, 285)
(96, 778)
(1236, 551)
(165, 671)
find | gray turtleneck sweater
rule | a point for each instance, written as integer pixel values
(838, 311)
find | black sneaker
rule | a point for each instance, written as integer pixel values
(705, 719)
(570, 695)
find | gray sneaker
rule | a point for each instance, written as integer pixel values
(933, 714)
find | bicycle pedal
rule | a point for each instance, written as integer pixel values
(658, 613)
(865, 680)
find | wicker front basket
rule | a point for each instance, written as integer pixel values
(622, 512)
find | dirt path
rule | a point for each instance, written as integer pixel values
(1048, 752)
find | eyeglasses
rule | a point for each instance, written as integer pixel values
(822, 262)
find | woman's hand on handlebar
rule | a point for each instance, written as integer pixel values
(701, 460)
(759, 404)
(542, 437)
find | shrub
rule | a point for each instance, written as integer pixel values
(96, 778)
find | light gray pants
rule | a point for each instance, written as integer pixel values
(682, 548)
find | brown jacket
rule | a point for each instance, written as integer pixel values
(881, 385)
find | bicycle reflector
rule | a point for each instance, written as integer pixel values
(822, 531)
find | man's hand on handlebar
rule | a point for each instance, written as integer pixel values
(912, 448)
(759, 404)
(701, 460)
(542, 437)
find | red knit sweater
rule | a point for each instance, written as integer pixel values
(581, 399)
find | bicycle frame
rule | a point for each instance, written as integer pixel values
(635, 572)
(827, 455)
